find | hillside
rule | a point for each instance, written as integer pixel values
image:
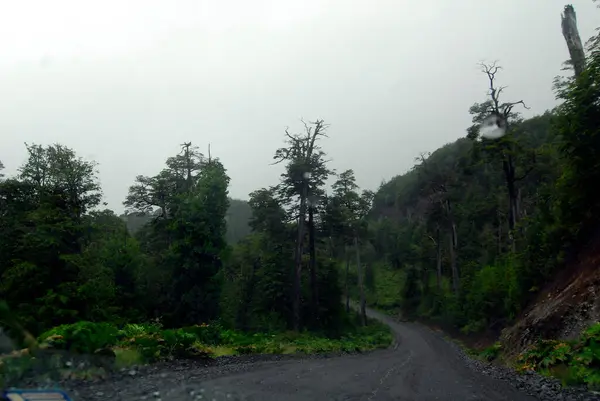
(238, 217)
(461, 178)
(563, 308)
(496, 239)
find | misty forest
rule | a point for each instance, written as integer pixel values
(466, 240)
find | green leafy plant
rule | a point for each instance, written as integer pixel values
(82, 337)
(575, 361)
(492, 352)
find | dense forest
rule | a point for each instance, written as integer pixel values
(183, 252)
(465, 237)
(477, 227)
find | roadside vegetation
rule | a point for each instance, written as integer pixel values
(84, 281)
(106, 347)
(573, 362)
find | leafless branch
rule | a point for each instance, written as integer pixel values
(432, 239)
(500, 89)
(287, 133)
(512, 104)
(490, 70)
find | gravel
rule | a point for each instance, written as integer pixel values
(178, 380)
(182, 380)
(531, 383)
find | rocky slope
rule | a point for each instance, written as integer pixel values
(563, 308)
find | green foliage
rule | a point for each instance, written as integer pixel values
(495, 218)
(82, 337)
(579, 144)
(143, 343)
(492, 352)
(573, 362)
(493, 292)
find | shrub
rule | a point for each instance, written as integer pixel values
(491, 352)
(81, 337)
(206, 333)
(136, 343)
(571, 361)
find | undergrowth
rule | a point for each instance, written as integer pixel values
(110, 347)
(572, 362)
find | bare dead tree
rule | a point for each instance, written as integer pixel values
(504, 113)
(571, 34)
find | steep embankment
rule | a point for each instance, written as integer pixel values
(564, 307)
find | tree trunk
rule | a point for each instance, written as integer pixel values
(453, 243)
(313, 264)
(499, 239)
(438, 259)
(571, 35)
(347, 280)
(243, 314)
(508, 167)
(363, 303)
(453, 267)
(298, 260)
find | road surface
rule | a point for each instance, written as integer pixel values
(421, 366)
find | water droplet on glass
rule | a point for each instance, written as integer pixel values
(492, 127)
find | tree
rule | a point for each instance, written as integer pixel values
(43, 224)
(187, 242)
(437, 183)
(268, 215)
(159, 191)
(305, 175)
(149, 193)
(56, 168)
(505, 148)
(571, 35)
(197, 230)
(111, 272)
(258, 283)
(579, 144)
(345, 218)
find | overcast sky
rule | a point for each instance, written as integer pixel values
(125, 82)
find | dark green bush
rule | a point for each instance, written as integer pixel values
(571, 361)
(206, 333)
(82, 337)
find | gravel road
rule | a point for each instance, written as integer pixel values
(421, 366)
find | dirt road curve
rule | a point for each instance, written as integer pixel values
(421, 367)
